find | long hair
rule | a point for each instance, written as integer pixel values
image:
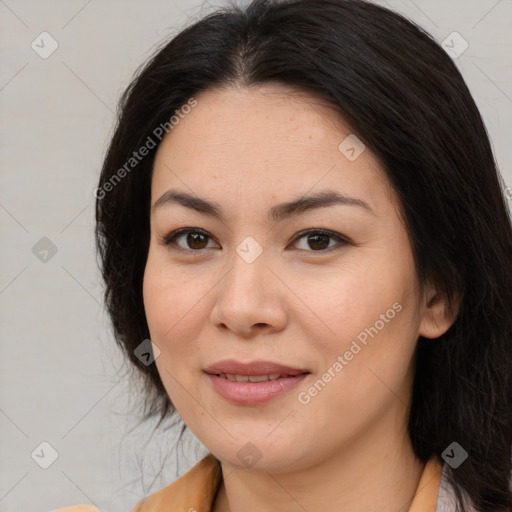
(403, 96)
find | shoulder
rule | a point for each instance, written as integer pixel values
(195, 490)
(446, 499)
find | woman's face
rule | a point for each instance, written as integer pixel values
(341, 315)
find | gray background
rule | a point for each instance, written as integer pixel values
(62, 379)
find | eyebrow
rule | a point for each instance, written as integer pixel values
(277, 213)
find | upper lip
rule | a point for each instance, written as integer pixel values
(230, 366)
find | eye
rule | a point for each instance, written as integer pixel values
(195, 239)
(318, 238)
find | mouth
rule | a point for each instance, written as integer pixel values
(253, 383)
(253, 378)
(253, 369)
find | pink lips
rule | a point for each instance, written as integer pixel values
(253, 393)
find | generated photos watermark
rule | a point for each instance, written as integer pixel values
(137, 156)
(304, 397)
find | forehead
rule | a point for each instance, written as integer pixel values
(267, 141)
(269, 117)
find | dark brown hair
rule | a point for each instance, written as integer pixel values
(405, 99)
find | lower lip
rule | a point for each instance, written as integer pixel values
(253, 393)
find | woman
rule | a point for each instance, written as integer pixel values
(301, 210)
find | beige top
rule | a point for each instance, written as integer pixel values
(195, 491)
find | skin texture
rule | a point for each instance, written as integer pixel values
(298, 304)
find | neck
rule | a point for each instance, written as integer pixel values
(379, 471)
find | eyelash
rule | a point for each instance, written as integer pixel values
(169, 240)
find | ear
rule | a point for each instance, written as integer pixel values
(436, 317)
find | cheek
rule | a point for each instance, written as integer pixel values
(373, 374)
(174, 315)
(171, 300)
(373, 319)
(352, 302)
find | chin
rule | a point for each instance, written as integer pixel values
(258, 456)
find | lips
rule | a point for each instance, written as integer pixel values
(251, 378)
(254, 368)
(253, 383)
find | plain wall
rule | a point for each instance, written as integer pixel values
(60, 378)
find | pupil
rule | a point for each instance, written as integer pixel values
(192, 239)
(317, 237)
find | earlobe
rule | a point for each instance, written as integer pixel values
(436, 316)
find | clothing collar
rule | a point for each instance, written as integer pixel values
(196, 490)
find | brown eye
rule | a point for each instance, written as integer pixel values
(194, 239)
(318, 240)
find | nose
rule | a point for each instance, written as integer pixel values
(250, 299)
